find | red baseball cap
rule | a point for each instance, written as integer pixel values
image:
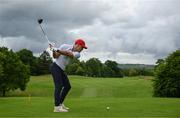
(81, 42)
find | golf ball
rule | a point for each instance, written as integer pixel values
(107, 108)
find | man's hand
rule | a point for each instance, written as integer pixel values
(52, 48)
(50, 45)
(56, 54)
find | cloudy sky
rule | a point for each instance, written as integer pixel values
(126, 31)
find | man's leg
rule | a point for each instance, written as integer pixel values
(57, 77)
(66, 87)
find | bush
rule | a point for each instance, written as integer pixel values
(167, 76)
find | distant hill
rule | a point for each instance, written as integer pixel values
(139, 66)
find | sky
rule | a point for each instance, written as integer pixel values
(125, 31)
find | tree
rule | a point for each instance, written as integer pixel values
(113, 65)
(133, 72)
(14, 74)
(158, 62)
(107, 72)
(44, 62)
(94, 67)
(1, 70)
(72, 68)
(167, 76)
(1, 66)
(27, 58)
(82, 64)
(146, 72)
(80, 71)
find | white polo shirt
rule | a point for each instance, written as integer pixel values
(63, 60)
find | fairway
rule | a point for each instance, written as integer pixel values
(89, 97)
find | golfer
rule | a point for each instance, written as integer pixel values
(62, 85)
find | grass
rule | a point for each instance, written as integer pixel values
(89, 97)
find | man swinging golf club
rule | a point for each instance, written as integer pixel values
(62, 85)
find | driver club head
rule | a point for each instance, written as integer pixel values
(40, 21)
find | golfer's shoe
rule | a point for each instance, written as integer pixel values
(60, 109)
(64, 107)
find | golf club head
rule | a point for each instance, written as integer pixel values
(40, 21)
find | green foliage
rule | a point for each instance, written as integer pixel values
(133, 72)
(44, 62)
(146, 72)
(80, 71)
(1, 66)
(1, 70)
(72, 68)
(94, 66)
(138, 71)
(137, 66)
(14, 74)
(27, 58)
(75, 67)
(38, 65)
(107, 71)
(115, 70)
(167, 76)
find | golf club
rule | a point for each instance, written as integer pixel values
(39, 22)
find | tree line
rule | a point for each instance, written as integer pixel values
(92, 67)
(95, 68)
(17, 67)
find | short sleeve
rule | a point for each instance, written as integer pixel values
(76, 54)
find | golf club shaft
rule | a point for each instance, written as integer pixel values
(44, 34)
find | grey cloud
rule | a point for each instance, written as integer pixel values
(146, 28)
(19, 18)
(152, 28)
(21, 42)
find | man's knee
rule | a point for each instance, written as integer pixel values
(58, 88)
(68, 87)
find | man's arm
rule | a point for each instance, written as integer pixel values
(66, 53)
(57, 53)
